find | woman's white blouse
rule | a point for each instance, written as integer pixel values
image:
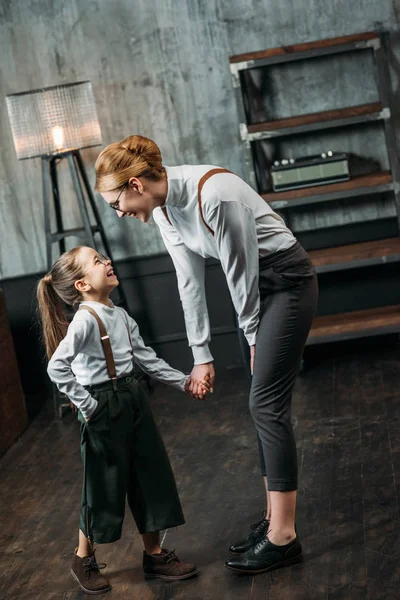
(245, 229)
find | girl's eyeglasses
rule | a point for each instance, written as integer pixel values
(103, 258)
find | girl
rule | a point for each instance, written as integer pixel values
(91, 362)
(204, 211)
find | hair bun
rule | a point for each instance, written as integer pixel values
(134, 156)
(145, 149)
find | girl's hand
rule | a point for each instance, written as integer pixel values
(199, 375)
(202, 390)
(252, 356)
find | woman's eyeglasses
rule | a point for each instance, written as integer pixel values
(115, 204)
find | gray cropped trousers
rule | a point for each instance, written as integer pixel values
(289, 295)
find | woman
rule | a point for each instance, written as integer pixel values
(203, 211)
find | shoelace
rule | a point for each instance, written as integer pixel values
(92, 565)
(171, 556)
(260, 544)
(259, 523)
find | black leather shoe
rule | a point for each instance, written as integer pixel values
(258, 533)
(266, 556)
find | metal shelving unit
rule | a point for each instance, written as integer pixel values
(358, 323)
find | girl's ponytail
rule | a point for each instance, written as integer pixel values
(52, 314)
(53, 289)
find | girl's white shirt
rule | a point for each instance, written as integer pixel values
(79, 359)
(245, 229)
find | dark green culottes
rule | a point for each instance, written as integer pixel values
(124, 456)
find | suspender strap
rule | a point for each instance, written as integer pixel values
(105, 342)
(202, 181)
(164, 209)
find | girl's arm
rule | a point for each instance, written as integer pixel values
(153, 365)
(59, 367)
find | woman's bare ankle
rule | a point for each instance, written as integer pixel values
(281, 538)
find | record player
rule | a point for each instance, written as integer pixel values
(318, 169)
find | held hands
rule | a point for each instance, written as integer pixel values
(201, 381)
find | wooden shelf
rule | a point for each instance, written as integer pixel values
(363, 323)
(356, 255)
(312, 121)
(357, 186)
(306, 47)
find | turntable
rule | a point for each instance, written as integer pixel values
(318, 169)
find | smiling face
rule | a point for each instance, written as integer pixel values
(99, 278)
(137, 198)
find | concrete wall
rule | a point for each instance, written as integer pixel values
(159, 68)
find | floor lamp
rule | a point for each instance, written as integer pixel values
(54, 123)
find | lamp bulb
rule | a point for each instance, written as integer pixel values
(58, 137)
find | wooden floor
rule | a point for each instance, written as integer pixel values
(347, 418)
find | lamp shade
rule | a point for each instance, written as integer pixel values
(54, 119)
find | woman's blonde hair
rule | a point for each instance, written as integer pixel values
(56, 286)
(135, 156)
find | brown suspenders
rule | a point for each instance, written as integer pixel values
(105, 342)
(202, 181)
(164, 209)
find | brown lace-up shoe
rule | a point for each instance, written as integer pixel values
(166, 566)
(86, 571)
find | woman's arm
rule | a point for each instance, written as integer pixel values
(59, 367)
(190, 275)
(236, 238)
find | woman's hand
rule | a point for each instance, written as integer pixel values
(201, 378)
(252, 356)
